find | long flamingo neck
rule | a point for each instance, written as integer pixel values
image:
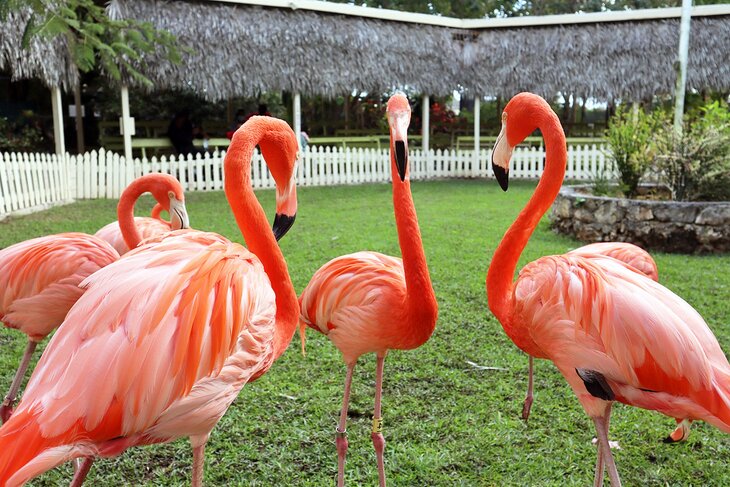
(504, 261)
(259, 237)
(125, 213)
(421, 307)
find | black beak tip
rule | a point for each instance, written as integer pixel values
(502, 176)
(282, 224)
(401, 159)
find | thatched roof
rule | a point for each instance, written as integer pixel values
(43, 59)
(245, 49)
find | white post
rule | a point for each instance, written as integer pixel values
(425, 124)
(477, 124)
(126, 124)
(298, 118)
(682, 67)
(58, 120)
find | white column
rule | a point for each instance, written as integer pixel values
(682, 71)
(58, 120)
(126, 124)
(477, 123)
(425, 124)
(298, 118)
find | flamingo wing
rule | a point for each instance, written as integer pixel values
(628, 253)
(150, 329)
(348, 297)
(39, 279)
(597, 315)
(148, 227)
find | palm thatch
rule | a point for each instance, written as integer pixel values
(242, 50)
(44, 59)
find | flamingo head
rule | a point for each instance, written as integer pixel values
(170, 196)
(522, 115)
(399, 117)
(280, 150)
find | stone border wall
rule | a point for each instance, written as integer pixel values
(669, 226)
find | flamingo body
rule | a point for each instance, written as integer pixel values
(348, 300)
(654, 350)
(148, 228)
(182, 324)
(39, 279)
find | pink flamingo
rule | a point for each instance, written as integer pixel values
(370, 302)
(614, 334)
(144, 227)
(40, 278)
(183, 322)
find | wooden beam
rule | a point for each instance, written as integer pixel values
(57, 105)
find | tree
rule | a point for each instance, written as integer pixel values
(93, 38)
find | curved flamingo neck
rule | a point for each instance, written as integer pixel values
(259, 237)
(504, 261)
(125, 210)
(421, 308)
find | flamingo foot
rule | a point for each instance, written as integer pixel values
(680, 433)
(526, 406)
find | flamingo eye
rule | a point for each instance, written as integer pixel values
(170, 194)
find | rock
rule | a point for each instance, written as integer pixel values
(675, 212)
(607, 213)
(639, 212)
(716, 215)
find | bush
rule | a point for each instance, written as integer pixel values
(629, 137)
(20, 137)
(696, 163)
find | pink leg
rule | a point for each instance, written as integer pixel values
(377, 435)
(198, 464)
(341, 435)
(601, 423)
(600, 466)
(81, 472)
(528, 399)
(7, 407)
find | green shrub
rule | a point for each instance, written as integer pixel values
(629, 137)
(696, 163)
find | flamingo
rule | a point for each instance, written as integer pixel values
(39, 278)
(369, 302)
(613, 333)
(145, 227)
(182, 323)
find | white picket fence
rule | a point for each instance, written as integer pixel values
(32, 182)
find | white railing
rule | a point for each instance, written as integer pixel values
(30, 182)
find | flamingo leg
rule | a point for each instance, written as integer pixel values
(198, 465)
(600, 465)
(7, 407)
(82, 471)
(527, 405)
(377, 434)
(341, 434)
(601, 423)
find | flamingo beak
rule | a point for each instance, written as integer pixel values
(282, 224)
(399, 122)
(501, 155)
(286, 207)
(178, 214)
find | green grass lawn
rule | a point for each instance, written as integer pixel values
(446, 422)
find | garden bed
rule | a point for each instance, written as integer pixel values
(670, 226)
